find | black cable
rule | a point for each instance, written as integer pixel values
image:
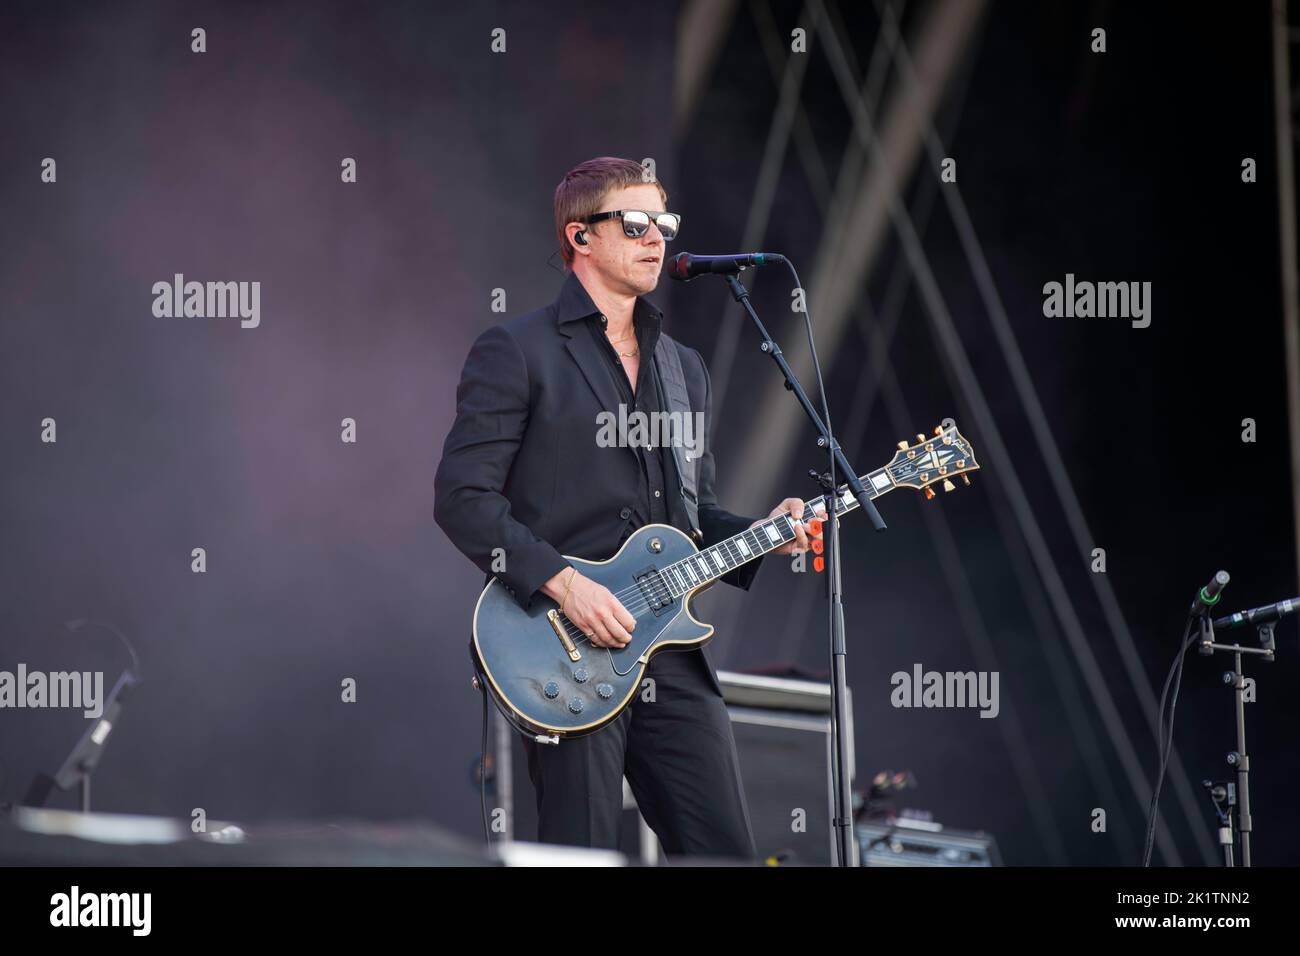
(1165, 736)
(482, 767)
(1163, 741)
(76, 625)
(821, 385)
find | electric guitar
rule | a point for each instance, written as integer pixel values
(550, 682)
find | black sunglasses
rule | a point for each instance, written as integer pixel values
(637, 221)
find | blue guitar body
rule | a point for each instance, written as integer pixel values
(549, 681)
(537, 684)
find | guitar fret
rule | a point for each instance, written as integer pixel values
(715, 561)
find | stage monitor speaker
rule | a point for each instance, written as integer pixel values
(783, 736)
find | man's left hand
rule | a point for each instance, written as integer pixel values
(800, 543)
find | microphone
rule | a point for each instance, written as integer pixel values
(685, 266)
(1260, 615)
(1208, 596)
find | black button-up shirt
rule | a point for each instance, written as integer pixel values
(651, 503)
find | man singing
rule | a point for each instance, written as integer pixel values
(522, 471)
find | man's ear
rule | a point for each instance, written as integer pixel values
(577, 233)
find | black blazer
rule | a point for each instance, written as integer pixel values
(521, 469)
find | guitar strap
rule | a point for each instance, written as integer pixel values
(673, 394)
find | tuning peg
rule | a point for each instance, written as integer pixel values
(920, 438)
(948, 485)
(929, 493)
(965, 478)
(819, 565)
(902, 445)
(938, 429)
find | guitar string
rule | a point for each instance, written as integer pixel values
(642, 604)
(658, 590)
(698, 579)
(636, 589)
(573, 631)
(784, 514)
(664, 590)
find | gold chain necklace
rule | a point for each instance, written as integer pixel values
(631, 354)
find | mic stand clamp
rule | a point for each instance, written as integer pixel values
(1224, 797)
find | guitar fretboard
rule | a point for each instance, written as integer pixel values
(713, 562)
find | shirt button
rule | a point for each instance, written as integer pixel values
(656, 492)
(625, 513)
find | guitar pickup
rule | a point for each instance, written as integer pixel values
(658, 596)
(570, 648)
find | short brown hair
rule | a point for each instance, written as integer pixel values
(585, 187)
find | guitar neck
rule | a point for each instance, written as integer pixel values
(724, 557)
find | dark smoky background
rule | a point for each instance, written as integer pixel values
(323, 561)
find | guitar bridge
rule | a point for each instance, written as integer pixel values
(569, 647)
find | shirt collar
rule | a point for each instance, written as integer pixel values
(574, 303)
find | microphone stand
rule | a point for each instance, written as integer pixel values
(841, 762)
(84, 758)
(1239, 759)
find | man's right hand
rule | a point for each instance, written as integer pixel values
(592, 607)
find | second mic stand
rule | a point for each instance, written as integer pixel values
(845, 841)
(1238, 759)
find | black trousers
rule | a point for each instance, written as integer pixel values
(679, 756)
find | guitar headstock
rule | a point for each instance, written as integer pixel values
(935, 460)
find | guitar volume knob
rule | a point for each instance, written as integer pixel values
(551, 690)
(580, 675)
(605, 691)
(575, 705)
